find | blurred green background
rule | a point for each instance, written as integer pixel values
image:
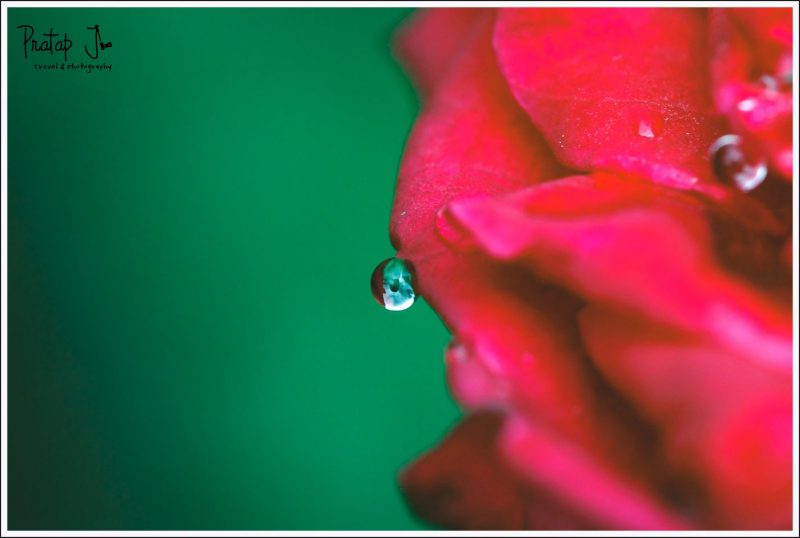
(192, 340)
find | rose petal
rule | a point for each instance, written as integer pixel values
(753, 251)
(517, 346)
(429, 40)
(462, 485)
(471, 138)
(591, 255)
(691, 345)
(573, 476)
(768, 32)
(615, 89)
(726, 417)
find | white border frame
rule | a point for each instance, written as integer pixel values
(306, 4)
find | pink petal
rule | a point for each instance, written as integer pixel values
(616, 89)
(590, 254)
(470, 138)
(429, 41)
(696, 348)
(725, 416)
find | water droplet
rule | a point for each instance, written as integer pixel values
(648, 123)
(645, 129)
(731, 164)
(392, 284)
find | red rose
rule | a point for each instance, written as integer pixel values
(620, 300)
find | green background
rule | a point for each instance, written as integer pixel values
(192, 340)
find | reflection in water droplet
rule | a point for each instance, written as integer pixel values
(730, 163)
(768, 83)
(392, 284)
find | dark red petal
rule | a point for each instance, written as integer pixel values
(461, 485)
(571, 475)
(428, 42)
(768, 32)
(786, 253)
(755, 252)
(653, 258)
(464, 483)
(694, 347)
(616, 89)
(726, 416)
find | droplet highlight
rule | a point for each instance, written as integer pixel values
(747, 105)
(731, 164)
(392, 284)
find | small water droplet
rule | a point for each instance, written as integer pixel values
(647, 123)
(645, 129)
(731, 164)
(392, 284)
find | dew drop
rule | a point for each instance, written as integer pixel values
(645, 129)
(648, 123)
(731, 164)
(392, 284)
